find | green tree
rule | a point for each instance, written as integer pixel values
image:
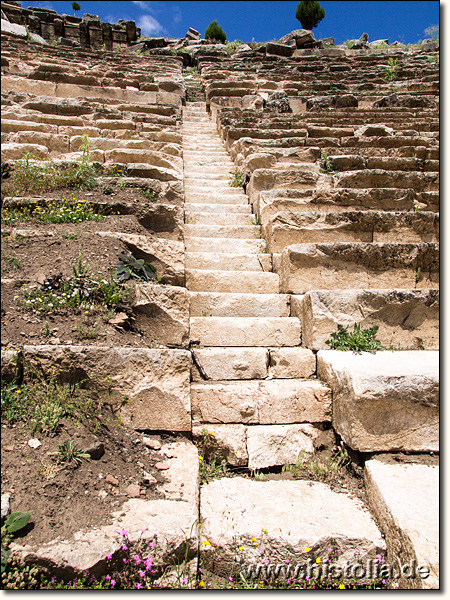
(75, 7)
(309, 13)
(215, 32)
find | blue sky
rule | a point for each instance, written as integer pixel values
(404, 21)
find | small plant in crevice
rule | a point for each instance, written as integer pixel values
(150, 195)
(237, 178)
(359, 340)
(129, 266)
(391, 72)
(328, 166)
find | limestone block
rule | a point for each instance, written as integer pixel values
(213, 304)
(12, 126)
(242, 232)
(132, 155)
(155, 381)
(232, 281)
(407, 319)
(165, 255)
(404, 497)
(291, 363)
(162, 314)
(10, 365)
(372, 178)
(227, 442)
(265, 402)
(278, 445)
(229, 262)
(279, 49)
(386, 401)
(283, 516)
(245, 331)
(14, 151)
(55, 143)
(374, 130)
(13, 29)
(267, 179)
(152, 172)
(29, 86)
(307, 267)
(231, 363)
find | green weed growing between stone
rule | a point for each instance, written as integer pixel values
(359, 340)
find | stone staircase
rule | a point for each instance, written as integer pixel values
(233, 344)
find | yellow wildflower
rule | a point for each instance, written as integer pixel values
(341, 586)
(318, 560)
(207, 543)
(264, 531)
(201, 584)
(307, 549)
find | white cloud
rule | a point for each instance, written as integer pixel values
(177, 16)
(149, 25)
(143, 5)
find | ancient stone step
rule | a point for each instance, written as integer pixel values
(384, 402)
(287, 228)
(404, 498)
(245, 331)
(254, 363)
(264, 402)
(199, 196)
(291, 524)
(228, 262)
(307, 267)
(407, 319)
(227, 245)
(219, 220)
(242, 232)
(193, 210)
(213, 304)
(235, 282)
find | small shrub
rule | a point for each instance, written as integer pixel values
(67, 452)
(150, 79)
(432, 32)
(150, 195)
(238, 178)
(233, 46)
(215, 32)
(391, 72)
(60, 294)
(359, 340)
(128, 267)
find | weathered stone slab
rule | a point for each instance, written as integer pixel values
(10, 365)
(386, 401)
(227, 442)
(14, 151)
(245, 331)
(267, 179)
(306, 267)
(162, 314)
(13, 29)
(278, 445)
(228, 262)
(291, 363)
(407, 319)
(249, 522)
(236, 282)
(232, 363)
(166, 255)
(199, 244)
(261, 402)
(171, 524)
(155, 381)
(288, 228)
(213, 304)
(404, 497)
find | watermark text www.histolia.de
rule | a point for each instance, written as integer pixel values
(370, 569)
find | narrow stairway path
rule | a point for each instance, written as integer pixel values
(239, 323)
